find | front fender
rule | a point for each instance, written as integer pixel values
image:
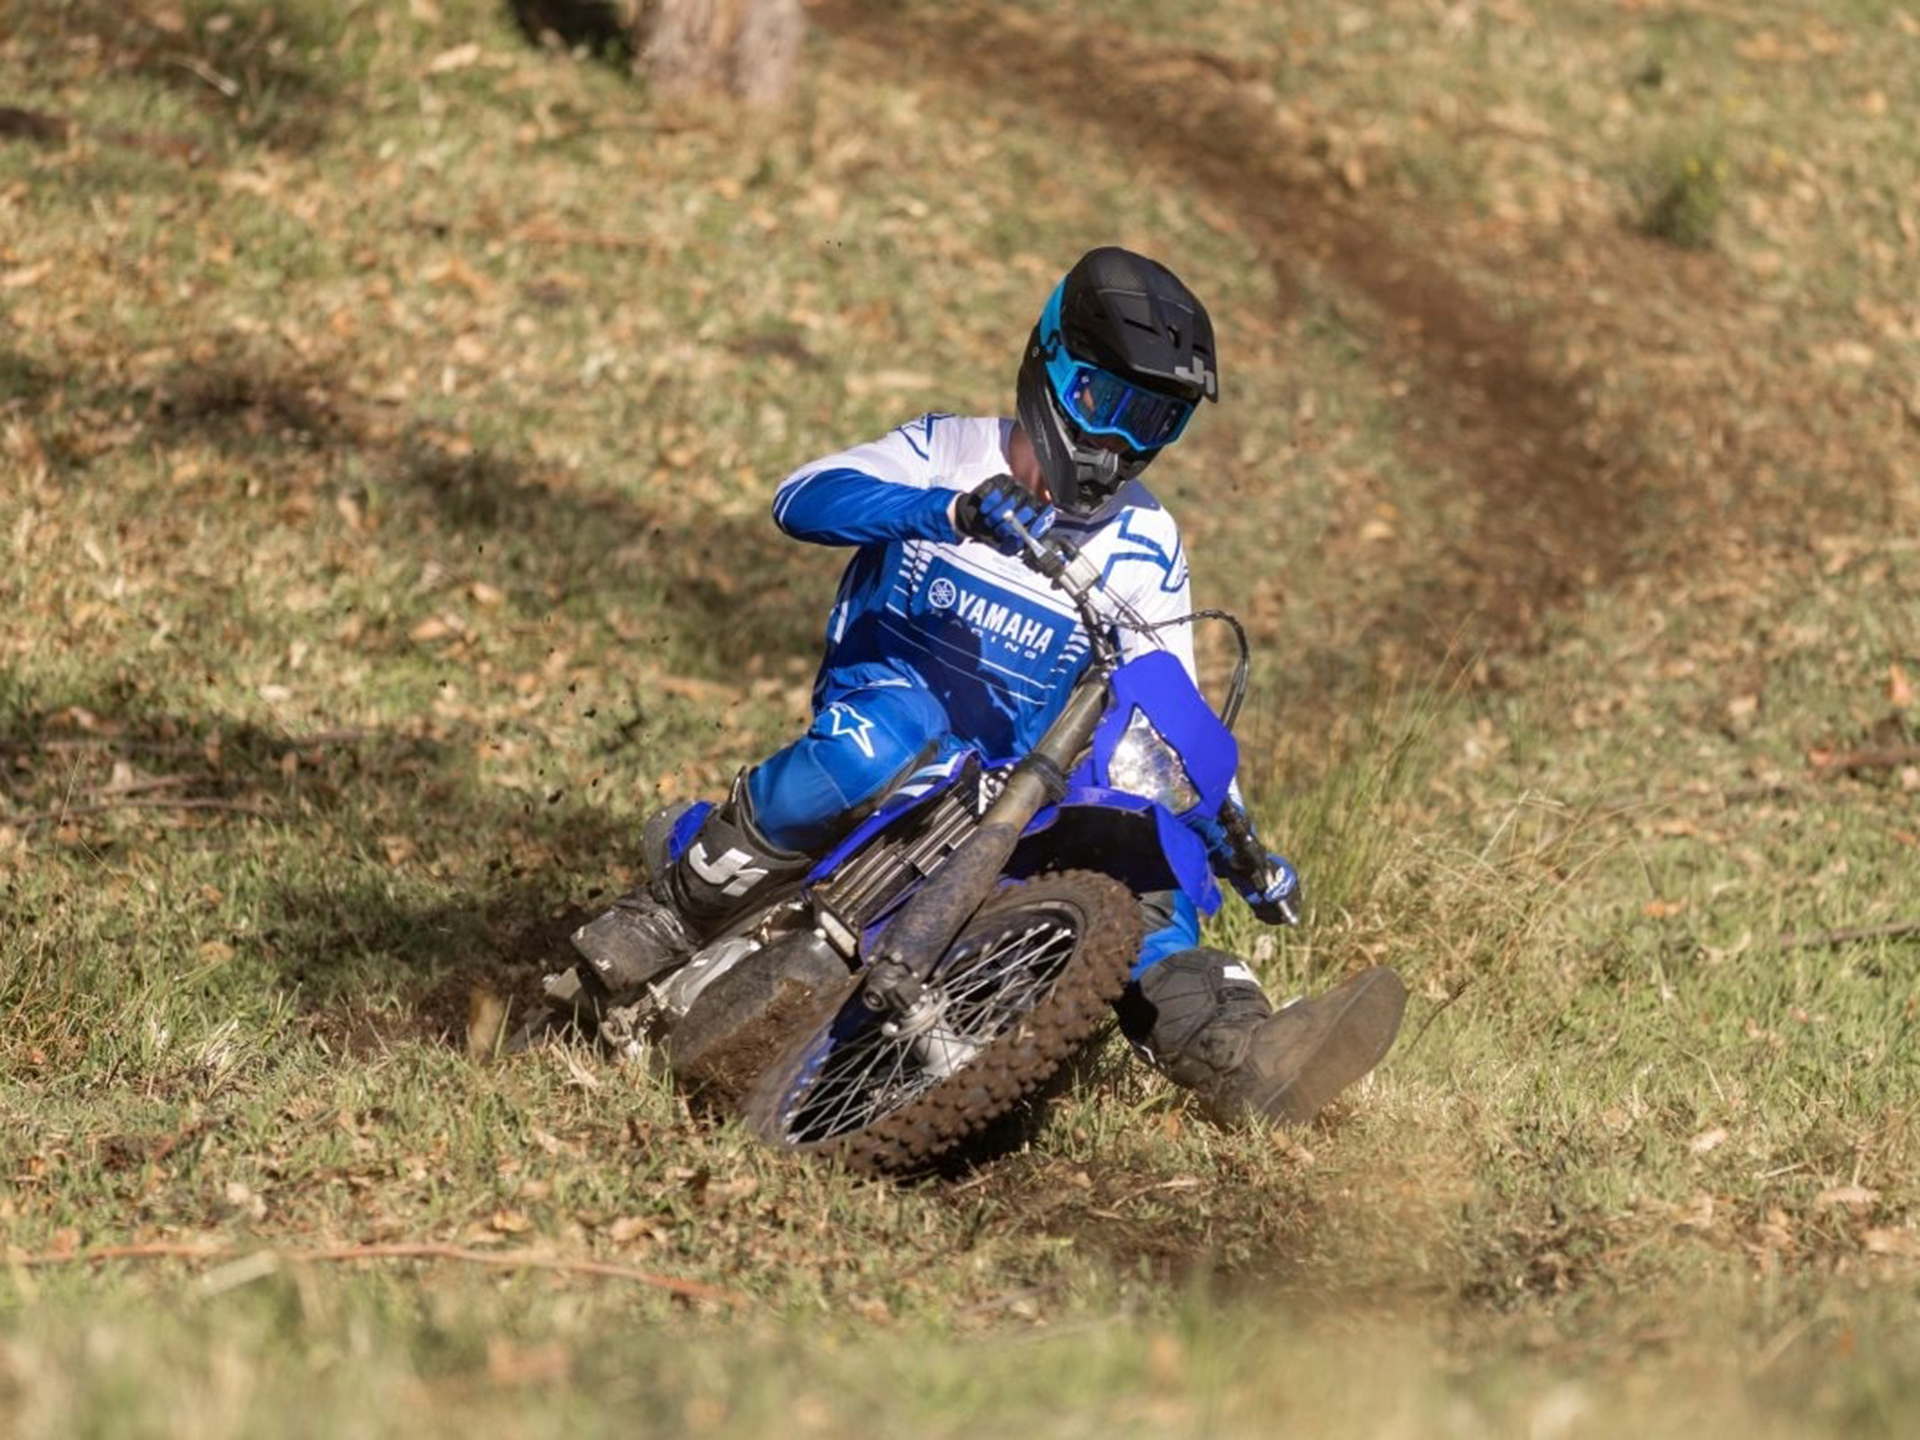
(1142, 845)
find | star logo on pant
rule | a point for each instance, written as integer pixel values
(843, 719)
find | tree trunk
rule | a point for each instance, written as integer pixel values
(748, 48)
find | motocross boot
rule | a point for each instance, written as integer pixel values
(726, 867)
(1202, 1018)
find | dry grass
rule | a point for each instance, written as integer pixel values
(387, 418)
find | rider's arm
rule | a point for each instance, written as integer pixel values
(884, 490)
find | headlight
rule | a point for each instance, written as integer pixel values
(1144, 764)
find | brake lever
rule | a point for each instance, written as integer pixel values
(1069, 570)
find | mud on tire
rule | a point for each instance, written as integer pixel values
(1031, 978)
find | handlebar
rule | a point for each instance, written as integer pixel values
(1080, 579)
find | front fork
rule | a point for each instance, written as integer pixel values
(926, 926)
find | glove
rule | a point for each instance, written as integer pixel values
(1263, 879)
(1273, 893)
(983, 514)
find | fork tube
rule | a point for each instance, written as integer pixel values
(926, 925)
(1036, 779)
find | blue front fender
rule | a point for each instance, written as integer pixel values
(1129, 837)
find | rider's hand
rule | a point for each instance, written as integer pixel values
(983, 513)
(1274, 892)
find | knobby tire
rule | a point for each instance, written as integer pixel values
(1107, 932)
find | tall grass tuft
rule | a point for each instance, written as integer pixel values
(1681, 192)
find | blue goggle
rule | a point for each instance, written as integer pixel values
(1104, 404)
(1100, 402)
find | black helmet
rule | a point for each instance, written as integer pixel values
(1122, 349)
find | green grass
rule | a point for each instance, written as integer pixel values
(384, 461)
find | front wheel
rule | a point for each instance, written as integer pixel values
(1022, 987)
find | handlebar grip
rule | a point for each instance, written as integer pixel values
(1246, 845)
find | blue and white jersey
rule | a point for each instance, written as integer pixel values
(992, 641)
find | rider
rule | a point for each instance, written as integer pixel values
(941, 637)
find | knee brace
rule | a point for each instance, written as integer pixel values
(1192, 1013)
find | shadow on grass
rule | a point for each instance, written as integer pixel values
(729, 582)
(726, 584)
(596, 26)
(22, 382)
(374, 965)
(253, 67)
(240, 404)
(394, 882)
(416, 871)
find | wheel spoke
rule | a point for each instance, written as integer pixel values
(987, 989)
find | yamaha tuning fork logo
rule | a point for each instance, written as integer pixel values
(942, 593)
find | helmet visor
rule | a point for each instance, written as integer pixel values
(1103, 404)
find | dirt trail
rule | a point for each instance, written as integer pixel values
(1556, 511)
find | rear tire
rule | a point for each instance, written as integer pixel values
(1025, 984)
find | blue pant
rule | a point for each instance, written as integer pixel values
(804, 796)
(856, 749)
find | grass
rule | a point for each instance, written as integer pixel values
(386, 448)
(1683, 193)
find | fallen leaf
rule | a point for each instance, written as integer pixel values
(460, 57)
(887, 381)
(1767, 48)
(716, 1193)
(509, 1222)
(1854, 1197)
(511, 1364)
(486, 1022)
(27, 275)
(1708, 1140)
(1899, 688)
(455, 273)
(241, 1197)
(1851, 353)
(630, 1228)
(1892, 1242)
(1698, 1213)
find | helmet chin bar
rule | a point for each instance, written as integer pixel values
(1081, 478)
(1096, 474)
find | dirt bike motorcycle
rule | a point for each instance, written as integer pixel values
(963, 942)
